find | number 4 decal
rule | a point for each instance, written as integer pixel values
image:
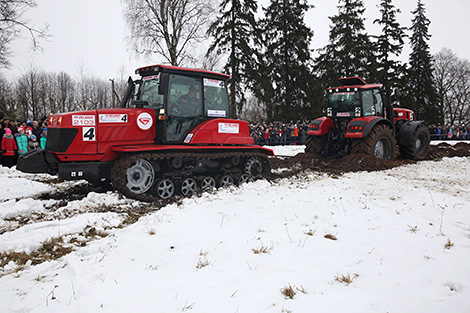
(89, 134)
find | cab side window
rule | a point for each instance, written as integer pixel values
(215, 98)
(378, 102)
(368, 105)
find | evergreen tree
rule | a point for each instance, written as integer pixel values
(287, 57)
(349, 51)
(235, 32)
(389, 44)
(421, 92)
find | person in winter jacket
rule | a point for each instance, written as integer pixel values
(9, 148)
(33, 143)
(42, 141)
(21, 141)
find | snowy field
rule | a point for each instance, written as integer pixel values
(390, 241)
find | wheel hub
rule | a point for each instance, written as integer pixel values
(140, 176)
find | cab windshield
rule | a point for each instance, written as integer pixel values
(344, 101)
(149, 92)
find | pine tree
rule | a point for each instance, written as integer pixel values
(235, 33)
(421, 92)
(349, 51)
(287, 57)
(389, 44)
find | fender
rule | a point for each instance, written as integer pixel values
(406, 132)
(361, 127)
(321, 126)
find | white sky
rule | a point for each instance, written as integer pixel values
(91, 34)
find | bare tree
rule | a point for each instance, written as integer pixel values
(452, 80)
(169, 28)
(7, 103)
(12, 22)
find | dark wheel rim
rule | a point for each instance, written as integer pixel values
(420, 144)
(165, 188)
(188, 186)
(208, 183)
(226, 181)
(140, 176)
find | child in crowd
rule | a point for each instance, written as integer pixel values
(21, 141)
(42, 141)
(33, 143)
(9, 148)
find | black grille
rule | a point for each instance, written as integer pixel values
(60, 139)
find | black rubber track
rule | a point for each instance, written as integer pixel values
(118, 172)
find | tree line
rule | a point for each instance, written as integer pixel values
(275, 75)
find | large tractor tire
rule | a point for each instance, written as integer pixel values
(380, 142)
(420, 145)
(315, 144)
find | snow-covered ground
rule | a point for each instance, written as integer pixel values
(402, 245)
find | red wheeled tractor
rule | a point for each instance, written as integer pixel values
(170, 135)
(358, 120)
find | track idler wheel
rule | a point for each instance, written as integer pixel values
(140, 176)
(164, 188)
(225, 181)
(244, 178)
(208, 183)
(188, 187)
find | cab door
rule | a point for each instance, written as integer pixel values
(184, 106)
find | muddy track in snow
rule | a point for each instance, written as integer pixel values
(282, 167)
(285, 167)
(290, 166)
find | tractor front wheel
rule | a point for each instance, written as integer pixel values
(380, 142)
(315, 144)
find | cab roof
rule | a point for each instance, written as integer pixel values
(160, 68)
(354, 82)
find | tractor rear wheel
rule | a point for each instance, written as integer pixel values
(380, 142)
(315, 144)
(420, 145)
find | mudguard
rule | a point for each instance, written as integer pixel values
(321, 126)
(365, 126)
(406, 132)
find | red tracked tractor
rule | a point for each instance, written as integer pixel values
(360, 120)
(170, 135)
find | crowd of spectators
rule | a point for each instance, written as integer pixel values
(295, 133)
(278, 133)
(19, 137)
(449, 133)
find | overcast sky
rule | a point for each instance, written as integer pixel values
(91, 34)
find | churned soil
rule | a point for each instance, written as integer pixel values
(289, 166)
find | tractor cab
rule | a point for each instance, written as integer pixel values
(354, 99)
(182, 98)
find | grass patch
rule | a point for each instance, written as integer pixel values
(262, 249)
(449, 244)
(346, 279)
(52, 249)
(331, 237)
(202, 262)
(288, 292)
